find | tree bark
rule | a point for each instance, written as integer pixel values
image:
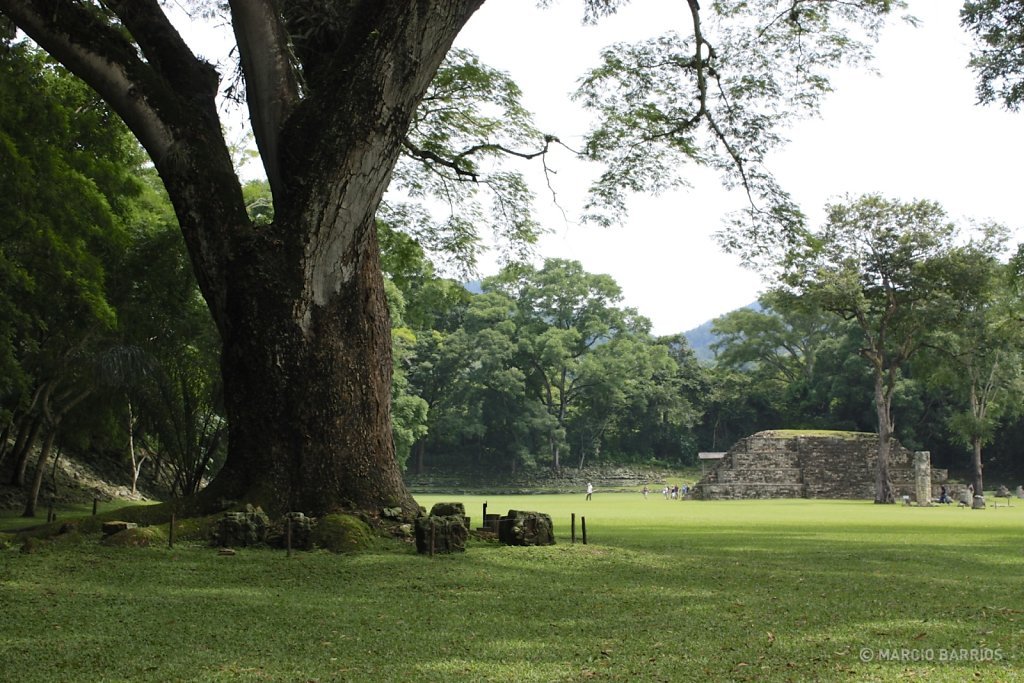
(32, 500)
(23, 447)
(883, 485)
(308, 402)
(977, 467)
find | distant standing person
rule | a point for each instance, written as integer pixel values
(590, 490)
(645, 492)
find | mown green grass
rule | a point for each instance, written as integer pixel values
(12, 519)
(664, 591)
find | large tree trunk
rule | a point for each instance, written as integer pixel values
(883, 485)
(299, 304)
(308, 400)
(977, 467)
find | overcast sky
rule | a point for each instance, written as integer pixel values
(910, 132)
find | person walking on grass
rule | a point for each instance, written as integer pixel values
(590, 490)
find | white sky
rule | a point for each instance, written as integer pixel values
(910, 132)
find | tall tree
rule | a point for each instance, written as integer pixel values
(563, 315)
(783, 345)
(333, 90)
(978, 351)
(879, 263)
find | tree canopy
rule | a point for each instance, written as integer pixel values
(336, 94)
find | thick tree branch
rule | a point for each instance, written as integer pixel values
(271, 85)
(164, 49)
(100, 56)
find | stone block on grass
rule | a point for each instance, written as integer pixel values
(520, 527)
(441, 534)
(245, 528)
(448, 509)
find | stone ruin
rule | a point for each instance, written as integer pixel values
(519, 527)
(242, 528)
(795, 464)
(444, 530)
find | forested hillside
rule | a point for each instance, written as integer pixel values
(703, 337)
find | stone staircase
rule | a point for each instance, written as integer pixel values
(791, 464)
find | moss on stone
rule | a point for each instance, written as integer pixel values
(195, 528)
(139, 537)
(342, 534)
(829, 433)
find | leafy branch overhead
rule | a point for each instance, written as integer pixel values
(470, 118)
(998, 26)
(720, 96)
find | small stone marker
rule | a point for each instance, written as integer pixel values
(245, 528)
(923, 477)
(1003, 492)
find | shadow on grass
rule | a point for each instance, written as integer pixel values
(724, 604)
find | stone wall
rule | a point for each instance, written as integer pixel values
(793, 464)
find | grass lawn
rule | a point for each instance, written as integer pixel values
(11, 519)
(664, 591)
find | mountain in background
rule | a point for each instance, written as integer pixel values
(701, 337)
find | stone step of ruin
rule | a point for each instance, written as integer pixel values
(777, 475)
(740, 490)
(762, 459)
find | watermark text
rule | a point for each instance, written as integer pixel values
(931, 654)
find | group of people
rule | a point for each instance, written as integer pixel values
(674, 492)
(967, 495)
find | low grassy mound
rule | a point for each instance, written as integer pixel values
(342, 534)
(139, 537)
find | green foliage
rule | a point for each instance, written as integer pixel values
(998, 28)
(719, 96)
(69, 170)
(545, 363)
(470, 118)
